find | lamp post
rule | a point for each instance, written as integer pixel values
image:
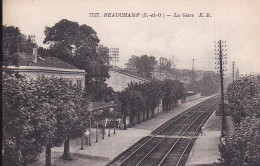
(89, 138)
(82, 142)
(221, 62)
(103, 131)
(114, 121)
(109, 122)
(97, 128)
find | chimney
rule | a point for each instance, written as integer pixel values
(35, 55)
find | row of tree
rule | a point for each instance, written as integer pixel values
(43, 112)
(243, 147)
(144, 65)
(144, 97)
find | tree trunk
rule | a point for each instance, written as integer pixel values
(66, 153)
(138, 117)
(147, 114)
(82, 142)
(124, 122)
(132, 119)
(48, 155)
(163, 105)
(143, 116)
(152, 113)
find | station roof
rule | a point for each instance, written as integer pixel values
(97, 105)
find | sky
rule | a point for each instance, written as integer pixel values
(178, 38)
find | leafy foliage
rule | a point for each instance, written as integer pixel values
(244, 97)
(37, 113)
(102, 52)
(14, 41)
(132, 103)
(172, 90)
(143, 64)
(11, 37)
(145, 97)
(131, 64)
(243, 147)
(78, 45)
(165, 64)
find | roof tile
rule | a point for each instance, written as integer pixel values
(26, 60)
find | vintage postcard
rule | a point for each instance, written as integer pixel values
(140, 82)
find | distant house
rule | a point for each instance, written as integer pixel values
(119, 79)
(32, 66)
(163, 75)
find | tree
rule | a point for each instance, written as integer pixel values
(145, 64)
(77, 45)
(131, 64)
(123, 96)
(154, 95)
(14, 41)
(74, 38)
(132, 104)
(27, 45)
(43, 52)
(11, 38)
(243, 147)
(10, 44)
(71, 114)
(28, 123)
(102, 52)
(165, 64)
(46, 111)
(171, 90)
(244, 97)
(48, 92)
(100, 92)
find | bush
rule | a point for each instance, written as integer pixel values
(243, 147)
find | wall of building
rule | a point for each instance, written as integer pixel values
(119, 81)
(193, 97)
(72, 76)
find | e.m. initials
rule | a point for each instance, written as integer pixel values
(204, 15)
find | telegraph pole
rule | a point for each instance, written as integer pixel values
(233, 71)
(237, 75)
(193, 75)
(221, 62)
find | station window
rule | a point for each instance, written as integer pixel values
(79, 84)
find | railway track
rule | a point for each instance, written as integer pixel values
(170, 143)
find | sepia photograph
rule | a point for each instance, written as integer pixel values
(130, 83)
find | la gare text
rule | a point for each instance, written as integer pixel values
(143, 15)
